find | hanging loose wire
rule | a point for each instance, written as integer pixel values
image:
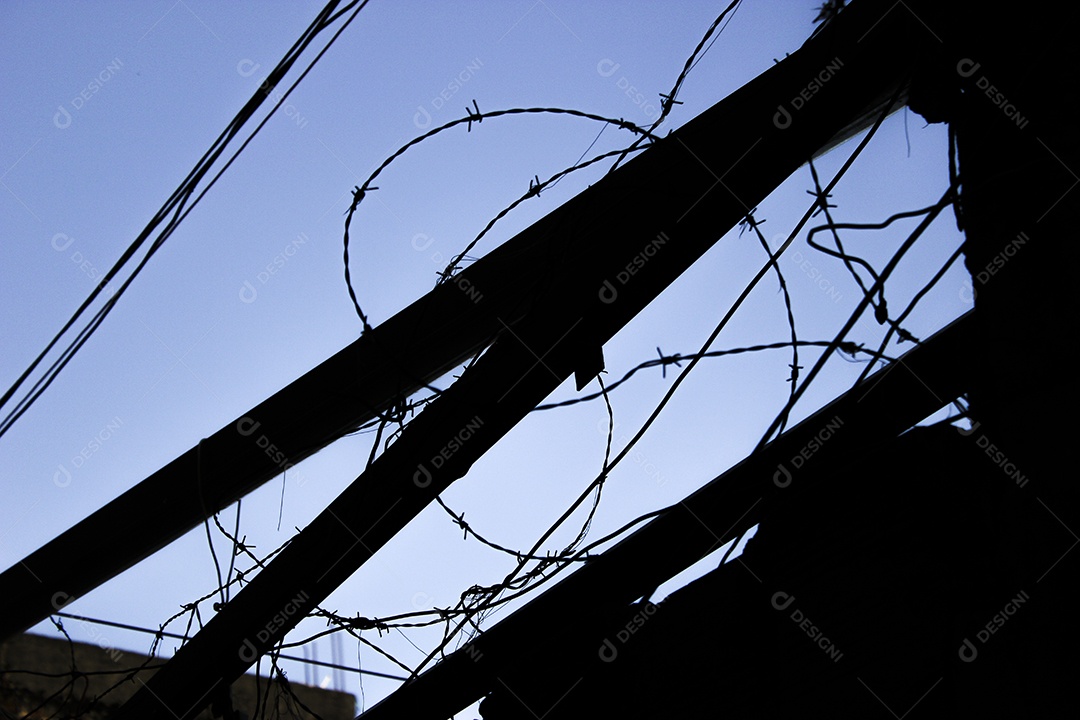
(881, 311)
(663, 361)
(911, 306)
(944, 202)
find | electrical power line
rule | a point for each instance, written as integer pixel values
(175, 206)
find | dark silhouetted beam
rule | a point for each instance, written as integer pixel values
(394, 360)
(883, 406)
(419, 344)
(602, 257)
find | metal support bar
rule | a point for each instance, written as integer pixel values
(886, 404)
(394, 360)
(598, 266)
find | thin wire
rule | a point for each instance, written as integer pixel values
(663, 361)
(824, 206)
(580, 555)
(602, 478)
(534, 191)
(512, 576)
(669, 99)
(946, 199)
(473, 115)
(849, 258)
(911, 306)
(795, 367)
(175, 203)
(235, 550)
(582, 157)
(185, 638)
(206, 516)
(713, 41)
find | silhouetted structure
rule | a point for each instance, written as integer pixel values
(921, 573)
(933, 575)
(885, 586)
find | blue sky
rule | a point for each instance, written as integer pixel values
(106, 108)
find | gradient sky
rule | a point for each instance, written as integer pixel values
(107, 106)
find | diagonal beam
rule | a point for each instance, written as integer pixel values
(603, 256)
(883, 406)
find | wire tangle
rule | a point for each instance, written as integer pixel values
(472, 115)
(536, 566)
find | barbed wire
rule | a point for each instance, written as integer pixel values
(472, 115)
(881, 312)
(534, 191)
(663, 361)
(519, 575)
(533, 568)
(477, 599)
(945, 201)
(669, 99)
(755, 224)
